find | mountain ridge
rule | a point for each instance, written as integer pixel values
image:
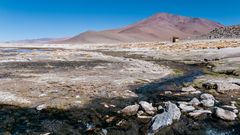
(159, 27)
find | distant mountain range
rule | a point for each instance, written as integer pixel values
(159, 27)
(40, 40)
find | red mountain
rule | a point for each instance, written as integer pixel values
(159, 27)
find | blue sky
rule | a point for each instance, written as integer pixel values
(29, 19)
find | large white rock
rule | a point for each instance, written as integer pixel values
(164, 119)
(225, 114)
(173, 110)
(160, 121)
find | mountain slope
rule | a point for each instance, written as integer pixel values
(159, 27)
(224, 32)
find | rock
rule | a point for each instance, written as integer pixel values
(103, 132)
(160, 121)
(167, 92)
(144, 119)
(130, 110)
(90, 127)
(197, 113)
(41, 107)
(225, 114)
(46, 134)
(195, 102)
(188, 89)
(182, 102)
(186, 108)
(222, 85)
(232, 108)
(206, 96)
(164, 119)
(160, 107)
(140, 113)
(173, 110)
(235, 111)
(123, 124)
(208, 103)
(110, 119)
(148, 108)
(196, 92)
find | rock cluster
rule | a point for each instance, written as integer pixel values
(170, 112)
(223, 85)
(224, 32)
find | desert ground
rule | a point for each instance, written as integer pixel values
(98, 88)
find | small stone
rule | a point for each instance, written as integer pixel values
(195, 102)
(144, 119)
(188, 89)
(197, 113)
(148, 108)
(46, 134)
(206, 96)
(225, 114)
(208, 103)
(130, 110)
(160, 107)
(90, 127)
(186, 108)
(140, 113)
(235, 111)
(196, 92)
(41, 107)
(110, 119)
(167, 92)
(123, 123)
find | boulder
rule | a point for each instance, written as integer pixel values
(130, 110)
(160, 121)
(147, 107)
(164, 119)
(225, 114)
(173, 110)
(197, 113)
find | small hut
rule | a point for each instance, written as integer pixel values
(175, 39)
